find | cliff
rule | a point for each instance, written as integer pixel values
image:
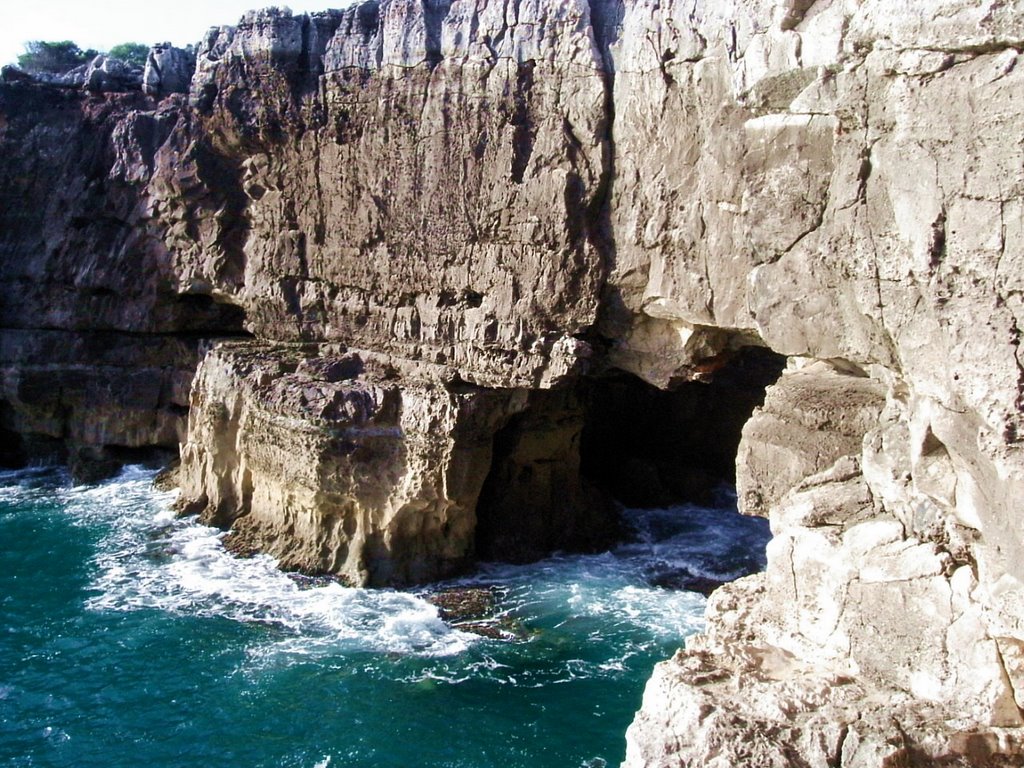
(435, 231)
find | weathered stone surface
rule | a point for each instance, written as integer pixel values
(861, 629)
(97, 346)
(844, 186)
(168, 70)
(339, 464)
(503, 198)
(105, 74)
(810, 418)
(466, 232)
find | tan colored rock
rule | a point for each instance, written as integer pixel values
(466, 232)
(810, 419)
(851, 593)
(832, 192)
(334, 462)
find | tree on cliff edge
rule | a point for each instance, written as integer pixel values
(132, 54)
(56, 57)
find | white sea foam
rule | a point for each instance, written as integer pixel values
(148, 559)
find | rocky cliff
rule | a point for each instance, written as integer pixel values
(447, 223)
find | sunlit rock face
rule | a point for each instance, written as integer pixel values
(339, 462)
(421, 178)
(427, 182)
(487, 204)
(845, 185)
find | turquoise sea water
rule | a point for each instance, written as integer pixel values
(130, 638)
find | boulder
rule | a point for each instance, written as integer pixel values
(105, 74)
(168, 70)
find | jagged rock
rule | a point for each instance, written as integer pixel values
(473, 609)
(855, 634)
(105, 74)
(73, 78)
(168, 70)
(9, 73)
(97, 347)
(336, 464)
(821, 199)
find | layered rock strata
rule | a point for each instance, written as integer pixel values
(334, 462)
(848, 188)
(494, 201)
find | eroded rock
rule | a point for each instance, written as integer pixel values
(496, 200)
(335, 462)
(168, 70)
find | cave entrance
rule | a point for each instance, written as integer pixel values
(559, 465)
(535, 500)
(646, 447)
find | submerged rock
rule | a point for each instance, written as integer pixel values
(474, 609)
(682, 578)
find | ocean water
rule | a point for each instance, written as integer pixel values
(130, 638)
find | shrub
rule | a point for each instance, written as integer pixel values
(56, 57)
(133, 54)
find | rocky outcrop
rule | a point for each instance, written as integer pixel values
(810, 419)
(853, 648)
(107, 74)
(426, 195)
(492, 202)
(168, 70)
(334, 462)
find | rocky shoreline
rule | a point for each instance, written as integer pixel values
(380, 273)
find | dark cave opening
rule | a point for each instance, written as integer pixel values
(12, 448)
(19, 450)
(535, 500)
(647, 447)
(559, 466)
(95, 463)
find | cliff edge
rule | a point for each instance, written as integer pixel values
(418, 230)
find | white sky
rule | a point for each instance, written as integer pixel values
(101, 25)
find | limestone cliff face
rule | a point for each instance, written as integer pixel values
(439, 217)
(845, 186)
(419, 178)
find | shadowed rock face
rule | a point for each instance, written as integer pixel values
(488, 203)
(97, 344)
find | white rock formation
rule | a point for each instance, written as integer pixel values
(845, 183)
